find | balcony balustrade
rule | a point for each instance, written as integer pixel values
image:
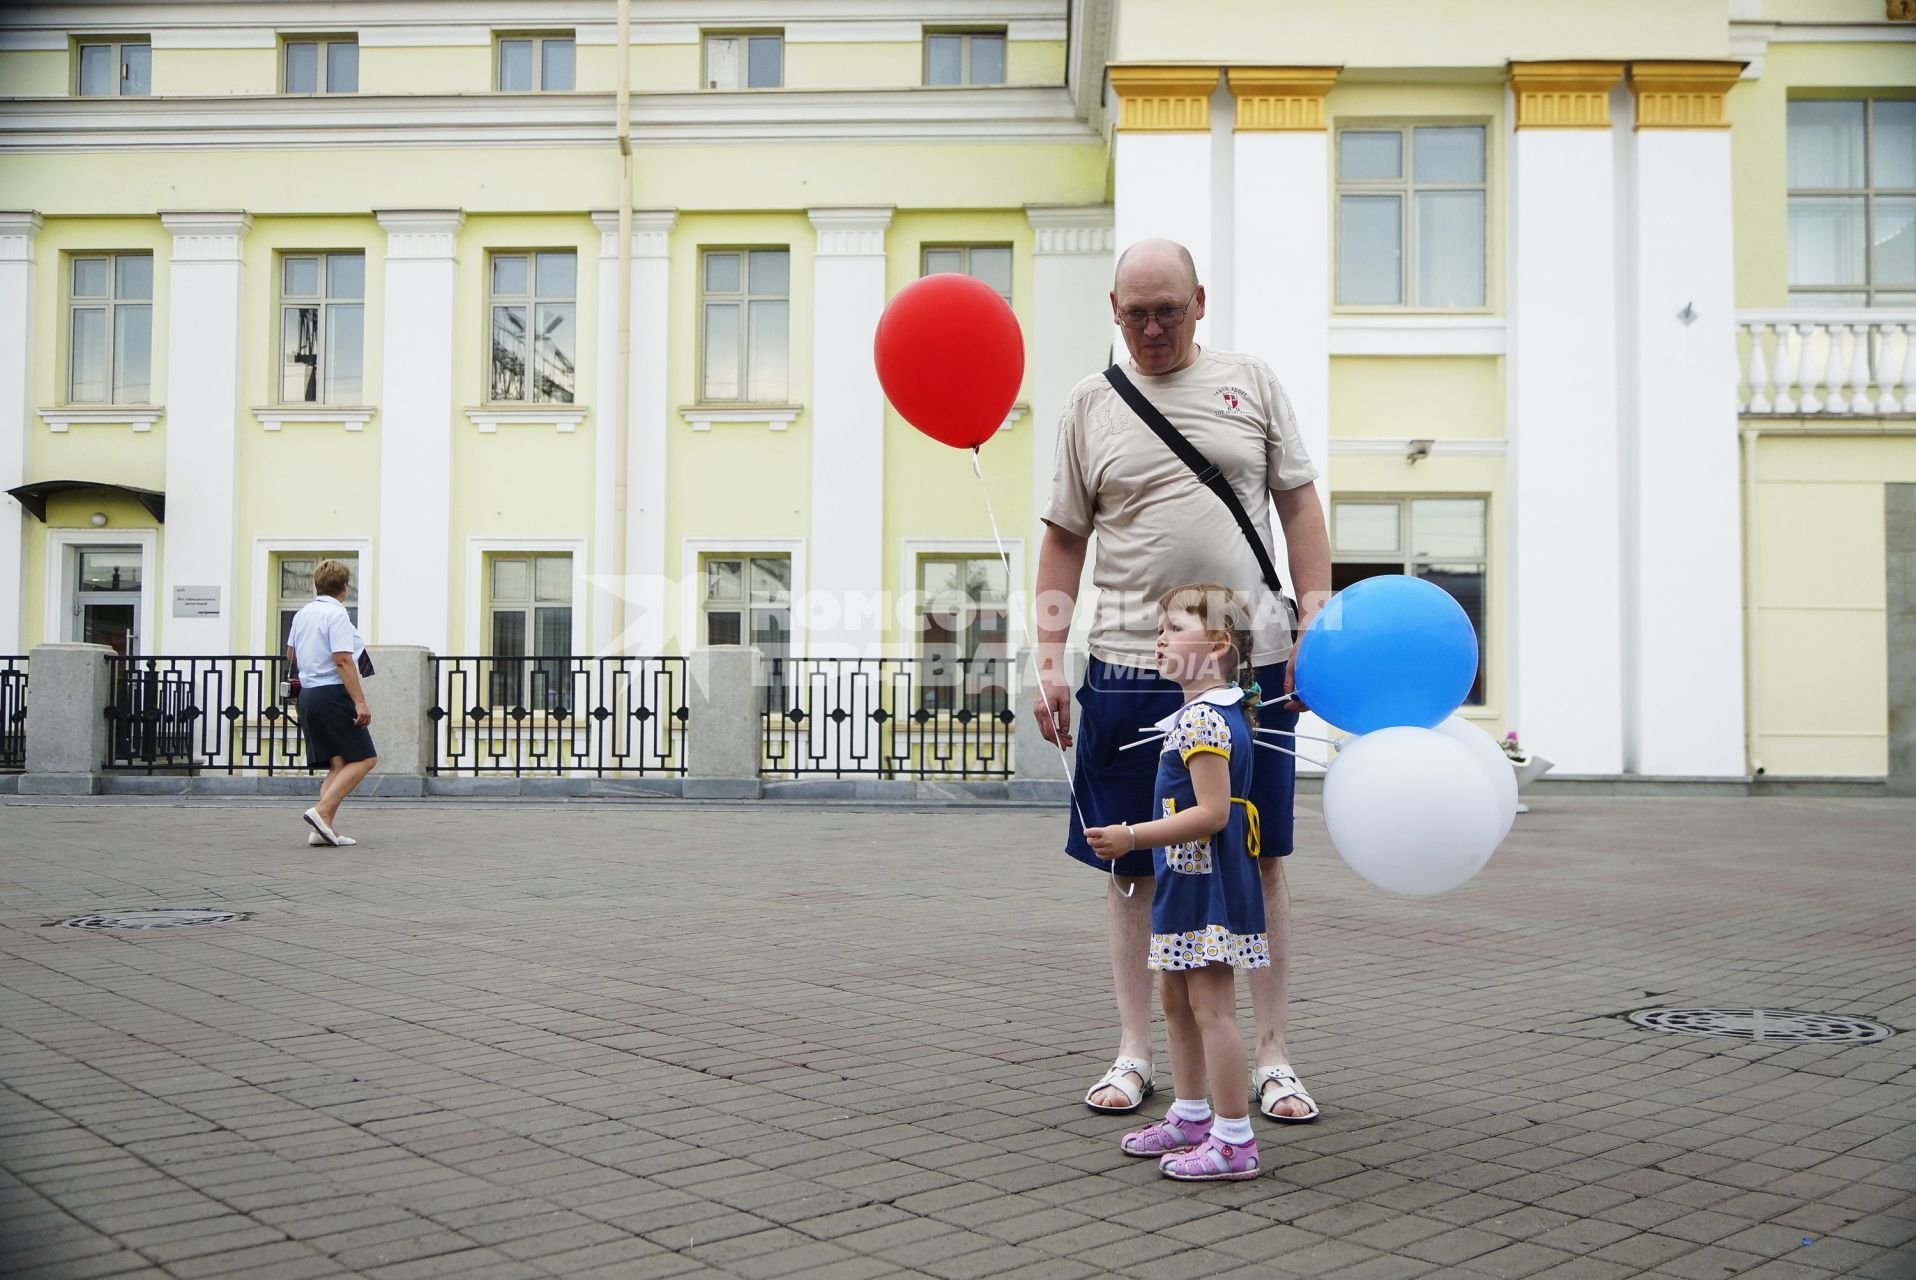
(1827, 363)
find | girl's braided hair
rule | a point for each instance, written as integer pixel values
(1226, 614)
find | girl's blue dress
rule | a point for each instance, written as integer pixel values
(1208, 907)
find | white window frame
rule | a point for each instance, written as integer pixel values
(965, 35)
(744, 36)
(324, 56)
(325, 302)
(262, 632)
(478, 590)
(530, 300)
(691, 589)
(119, 45)
(1805, 296)
(933, 246)
(63, 547)
(1407, 563)
(910, 549)
(112, 306)
(744, 297)
(538, 39)
(1406, 186)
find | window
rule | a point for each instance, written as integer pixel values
(535, 64)
(322, 328)
(964, 57)
(529, 617)
(533, 327)
(745, 60)
(295, 578)
(110, 68)
(1410, 216)
(110, 329)
(989, 263)
(963, 632)
(1437, 539)
(747, 600)
(320, 66)
(744, 310)
(1852, 201)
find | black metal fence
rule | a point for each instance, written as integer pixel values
(912, 718)
(201, 715)
(13, 713)
(570, 715)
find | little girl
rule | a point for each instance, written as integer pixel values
(1207, 914)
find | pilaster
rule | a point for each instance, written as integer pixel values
(1683, 95)
(1161, 155)
(646, 560)
(18, 231)
(1563, 95)
(204, 299)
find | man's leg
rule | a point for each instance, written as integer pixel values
(1270, 987)
(1130, 926)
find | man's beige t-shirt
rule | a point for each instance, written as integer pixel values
(1157, 527)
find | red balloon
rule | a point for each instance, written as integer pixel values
(950, 357)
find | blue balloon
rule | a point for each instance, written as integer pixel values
(1387, 651)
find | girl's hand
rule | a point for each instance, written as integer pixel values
(1110, 842)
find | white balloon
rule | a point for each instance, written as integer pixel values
(1496, 766)
(1411, 811)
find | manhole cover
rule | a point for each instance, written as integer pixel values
(152, 918)
(1767, 1025)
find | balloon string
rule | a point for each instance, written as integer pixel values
(1272, 746)
(1292, 733)
(1037, 675)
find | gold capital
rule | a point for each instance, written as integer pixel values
(1164, 99)
(1564, 95)
(1280, 99)
(1682, 95)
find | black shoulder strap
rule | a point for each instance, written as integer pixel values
(1208, 475)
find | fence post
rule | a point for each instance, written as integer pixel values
(66, 719)
(400, 694)
(724, 737)
(1899, 516)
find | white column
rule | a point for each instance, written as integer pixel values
(847, 428)
(1565, 543)
(416, 411)
(1161, 157)
(205, 292)
(18, 229)
(1683, 650)
(607, 594)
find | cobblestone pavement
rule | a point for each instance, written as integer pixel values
(611, 1039)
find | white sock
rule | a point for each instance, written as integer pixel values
(1193, 1110)
(1235, 1132)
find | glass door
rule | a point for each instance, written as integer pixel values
(106, 598)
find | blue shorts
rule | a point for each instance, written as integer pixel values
(1117, 705)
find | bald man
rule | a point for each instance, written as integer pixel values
(1159, 528)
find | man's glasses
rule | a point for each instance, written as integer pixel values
(1167, 317)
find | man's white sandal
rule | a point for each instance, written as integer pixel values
(1288, 1086)
(1119, 1077)
(318, 841)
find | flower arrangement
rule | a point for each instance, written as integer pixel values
(1513, 748)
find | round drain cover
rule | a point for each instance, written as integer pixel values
(1767, 1025)
(153, 918)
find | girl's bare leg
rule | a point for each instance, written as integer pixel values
(1212, 996)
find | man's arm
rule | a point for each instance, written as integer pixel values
(1309, 545)
(1060, 566)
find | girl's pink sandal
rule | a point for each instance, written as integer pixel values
(1212, 1161)
(1166, 1137)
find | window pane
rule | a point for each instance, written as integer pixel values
(1447, 528)
(766, 68)
(509, 636)
(1825, 144)
(1826, 240)
(1896, 299)
(944, 59)
(554, 346)
(137, 62)
(1465, 583)
(508, 353)
(99, 71)
(553, 635)
(772, 631)
(89, 277)
(724, 628)
(721, 62)
(110, 569)
(87, 380)
(1367, 528)
(721, 272)
(552, 579)
(132, 354)
(1450, 154)
(993, 266)
(771, 271)
(771, 577)
(515, 66)
(345, 355)
(346, 275)
(296, 577)
(1450, 249)
(558, 275)
(342, 67)
(766, 350)
(1892, 144)
(1823, 300)
(509, 275)
(721, 351)
(300, 278)
(1370, 249)
(985, 581)
(302, 67)
(133, 277)
(299, 355)
(944, 261)
(1894, 226)
(555, 65)
(987, 60)
(511, 579)
(724, 580)
(938, 577)
(1362, 154)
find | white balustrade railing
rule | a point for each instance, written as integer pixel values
(1852, 363)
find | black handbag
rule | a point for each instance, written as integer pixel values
(365, 663)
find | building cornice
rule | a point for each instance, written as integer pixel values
(1164, 99)
(1683, 95)
(1564, 95)
(1280, 99)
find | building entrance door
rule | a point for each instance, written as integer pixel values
(106, 598)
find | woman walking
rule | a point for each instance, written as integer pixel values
(326, 652)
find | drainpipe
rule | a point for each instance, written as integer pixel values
(1752, 703)
(622, 376)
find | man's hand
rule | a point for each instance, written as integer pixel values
(1290, 667)
(1051, 705)
(1110, 842)
(362, 714)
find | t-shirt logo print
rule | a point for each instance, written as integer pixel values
(1231, 399)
